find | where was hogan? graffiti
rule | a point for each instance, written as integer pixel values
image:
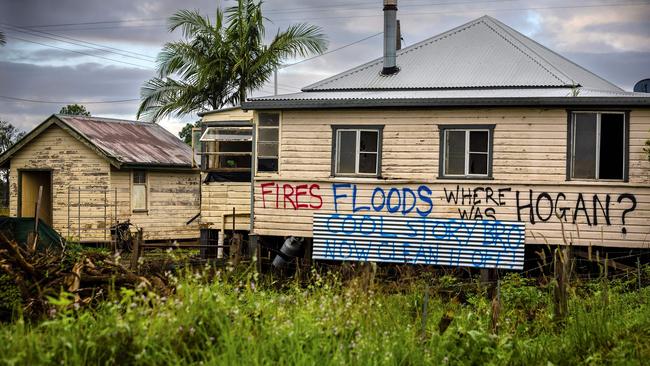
(477, 203)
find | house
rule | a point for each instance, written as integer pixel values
(455, 150)
(226, 150)
(95, 171)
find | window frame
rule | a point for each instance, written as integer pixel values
(571, 145)
(379, 129)
(207, 155)
(146, 191)
(256, 142)
(443, 129)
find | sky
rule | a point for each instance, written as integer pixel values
(99, 53)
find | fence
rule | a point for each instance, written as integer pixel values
(92, 211)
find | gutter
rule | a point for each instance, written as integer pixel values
(448, 102)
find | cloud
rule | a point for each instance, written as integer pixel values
(84, 82)
(612, 41)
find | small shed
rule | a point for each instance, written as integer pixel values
(97, 171)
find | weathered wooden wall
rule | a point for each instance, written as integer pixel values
(173, 199)
(218, 198)
(73, 165)
(235, 114)
(173, 196)
(529, 154)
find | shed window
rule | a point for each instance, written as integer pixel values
(268, 137)
(466, 151)
(357, 150)
(227, 148)
(139, 191)
(597, 144)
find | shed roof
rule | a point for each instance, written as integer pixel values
(124, 143)
(478, 62)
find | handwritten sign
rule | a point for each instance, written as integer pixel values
(419, 240)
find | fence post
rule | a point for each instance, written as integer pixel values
(68, 211)
(105, 204)
(137, 250)
(79, 214)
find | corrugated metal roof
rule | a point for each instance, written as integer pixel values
(132, 142)
(483, 53)
(455, 93)
(564, 97)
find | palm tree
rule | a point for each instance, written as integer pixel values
(201, 63)
(2, 38)
(254, 61)
(218, 64)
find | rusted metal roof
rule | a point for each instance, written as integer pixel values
(131, 142)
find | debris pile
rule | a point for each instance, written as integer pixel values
(87, 275)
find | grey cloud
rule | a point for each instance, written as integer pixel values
(340, 22)
(84, 82)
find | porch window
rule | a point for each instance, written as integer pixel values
(466, 151)
(357, 150)
(268, 137)
(227, 148)
(598, 146)
(139, 191)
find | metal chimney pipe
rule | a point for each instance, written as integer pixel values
(390, 37)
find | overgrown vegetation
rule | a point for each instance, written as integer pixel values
(348, 316)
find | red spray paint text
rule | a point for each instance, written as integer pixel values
(289, 196)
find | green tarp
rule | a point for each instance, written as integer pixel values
(18, 228)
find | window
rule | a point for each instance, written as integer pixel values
(227, 148)
(356, 150)
(597, 146)
(139, 191)
(268, 136)
(466, 151)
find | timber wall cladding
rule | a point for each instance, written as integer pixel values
(173, 199)
(529, 146)
(73, 165)
(218, 198)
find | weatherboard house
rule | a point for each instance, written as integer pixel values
(456, 150)
(96, 171)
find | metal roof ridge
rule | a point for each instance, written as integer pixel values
(413, 47)
(106, 119)
(510, 30)
(508, 37)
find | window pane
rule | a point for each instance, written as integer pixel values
(346, 151)
(236, 146)
(267, 149)
(611, 146)
(368, 163)
(269, 119)
(139, 176)
(584, 146)
(268, 134)
(139, 197)
(455, 152)
(267, 165)
(234, 161)
(478, 164)
(228, 134)
(478, 141)
(368, 141)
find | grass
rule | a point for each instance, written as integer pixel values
(232, 317)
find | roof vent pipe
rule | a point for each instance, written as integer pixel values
(390, 37)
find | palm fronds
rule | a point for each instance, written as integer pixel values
(218, 64)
